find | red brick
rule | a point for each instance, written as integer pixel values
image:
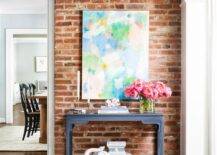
(63, 23)
(164, 64)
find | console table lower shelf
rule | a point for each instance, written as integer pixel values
(147, 118)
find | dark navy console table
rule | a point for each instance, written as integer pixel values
(146, 118)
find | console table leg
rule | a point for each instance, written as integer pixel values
(69, 128)
(160, 139)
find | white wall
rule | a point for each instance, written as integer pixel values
(25, 62)
(194, 79)
(14, 21)
(23, 6)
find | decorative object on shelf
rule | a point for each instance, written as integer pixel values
(146, 105)
(113, 102)
(79, 111)
(96, 151)
(147, 93)
(115, 148)
(113, 107)
(114, 52)
(41, 64)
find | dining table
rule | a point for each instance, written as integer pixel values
(42, 98)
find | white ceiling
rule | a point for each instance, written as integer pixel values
(23, 6)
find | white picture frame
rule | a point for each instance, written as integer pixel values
(41, 64)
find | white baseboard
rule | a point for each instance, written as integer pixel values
(2, 120)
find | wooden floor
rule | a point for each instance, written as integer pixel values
(23, 153)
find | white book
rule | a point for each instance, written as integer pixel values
(113, 110)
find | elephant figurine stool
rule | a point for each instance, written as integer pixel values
(96, 151)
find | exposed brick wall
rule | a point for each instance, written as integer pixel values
(164, 64)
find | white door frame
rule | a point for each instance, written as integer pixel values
(194, 79)
(211, 85)
(212, 73)
(50, 116)
(10, 66)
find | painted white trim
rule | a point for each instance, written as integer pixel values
(2, 120)
(9, 66)
(194, 116)
(50, 54)
(30, 40)
(9, 76)
(209, 78)
(212, 73)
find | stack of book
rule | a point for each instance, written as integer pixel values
(113, 110)
(78, 111)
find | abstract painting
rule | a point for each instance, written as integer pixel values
(114, 52)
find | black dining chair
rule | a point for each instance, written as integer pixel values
(34, 101)
(35, 106)
(29, 114)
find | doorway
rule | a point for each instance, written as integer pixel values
(25, 50)
(12, 35)
(25, 8)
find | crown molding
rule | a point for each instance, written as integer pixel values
(29, 40)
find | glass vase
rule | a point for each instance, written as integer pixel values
(146, 106)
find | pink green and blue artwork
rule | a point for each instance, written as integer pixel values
(114, 52)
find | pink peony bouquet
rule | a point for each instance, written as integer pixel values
(147, 90)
